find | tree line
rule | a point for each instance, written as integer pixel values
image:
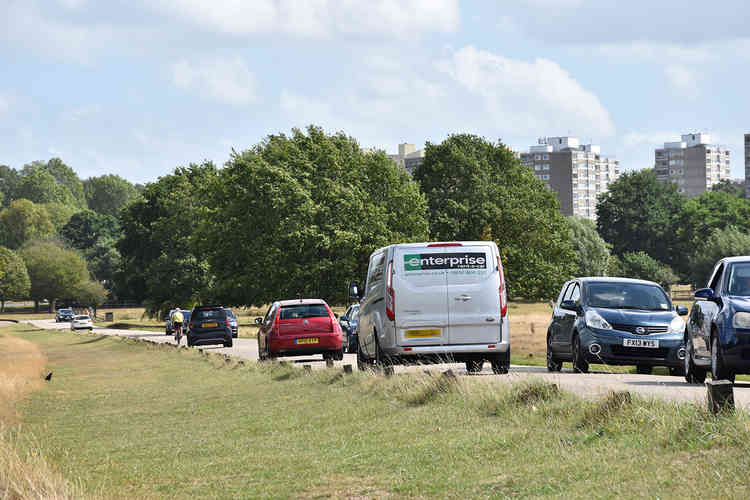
(299, 214)
(58, 233)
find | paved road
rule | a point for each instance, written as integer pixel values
(587, 385)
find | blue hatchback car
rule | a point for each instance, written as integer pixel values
(717, 337)
(349, 327)
(616, 321)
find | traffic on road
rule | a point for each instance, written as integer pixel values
(445, 304)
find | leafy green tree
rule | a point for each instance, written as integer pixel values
(108, 194)
(592, 252)
(87, 227)
(730, 187)
(55, 272)
(8, 183)
(472, 184)
(23, 221)
(640, 265)
(159, 265)
(59, 214)
(51, 182)
(699, 217)
(14, 279)
(639, 213)
(720, 243)
(96, 235)
(299, 215)
(89, 293)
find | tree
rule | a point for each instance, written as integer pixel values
(14, 279)
(639, 213)
(472, 184)
(8, 182)
(592, 252)
(55, 272)
(159, 265)
(640, 265)
(51, 182)
(87, 227)
(730, 187)
(300, 215)
(59, 214)
(23, 221)
(699, 217)
(721, 242)
(108, 194)
(89, 293)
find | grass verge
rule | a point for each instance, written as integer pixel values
(136, 420)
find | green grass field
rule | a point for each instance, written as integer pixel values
(130, 420)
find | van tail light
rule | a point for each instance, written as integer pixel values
(503, 295)
(445, 245)
(390, 296)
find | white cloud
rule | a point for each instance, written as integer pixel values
(4, 104)
(227, 80)
(318, 18)
(529, 96)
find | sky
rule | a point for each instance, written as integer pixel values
(140, 87)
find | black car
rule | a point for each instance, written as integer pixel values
(349, 322)
(209, 325)
(232, 321)
(717, 337)
(615, 321)
(64, 315)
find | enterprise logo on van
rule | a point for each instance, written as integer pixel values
(419, 262)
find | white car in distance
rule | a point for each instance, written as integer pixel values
(81, 322)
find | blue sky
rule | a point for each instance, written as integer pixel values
(139, 87)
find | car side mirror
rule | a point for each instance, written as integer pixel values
(681, 310)
(354, 291)
(705, 294)
(570, 305)
(258, 321)
(343, 318)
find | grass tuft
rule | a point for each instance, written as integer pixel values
(611, 406)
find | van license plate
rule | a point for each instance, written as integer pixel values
(210, 325)
(640, 343)
(424, 333)
(310, 340)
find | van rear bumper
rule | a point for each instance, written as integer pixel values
(426, 350)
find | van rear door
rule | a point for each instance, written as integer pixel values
(420, 295)
(473, 295)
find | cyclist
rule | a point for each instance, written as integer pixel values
(177, 320)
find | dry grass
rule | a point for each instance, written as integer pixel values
(24, 473)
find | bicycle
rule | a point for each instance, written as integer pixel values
(178, 332)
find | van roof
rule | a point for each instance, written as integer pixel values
(448, 244)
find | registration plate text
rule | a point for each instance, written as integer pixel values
(309, 340)
(640, 343)
(423, 333)
(209, 325)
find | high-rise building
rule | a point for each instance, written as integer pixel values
(747, 166)
(693, 163)
(408, 156)
(578, 173)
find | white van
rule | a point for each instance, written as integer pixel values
(444, 301)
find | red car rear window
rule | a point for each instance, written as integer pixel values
(304, 311)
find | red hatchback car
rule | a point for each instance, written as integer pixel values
(299, 327)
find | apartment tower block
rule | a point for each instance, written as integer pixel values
(578, 173)
(693, 163)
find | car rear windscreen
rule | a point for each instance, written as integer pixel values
(209, 314)
(304, 311)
